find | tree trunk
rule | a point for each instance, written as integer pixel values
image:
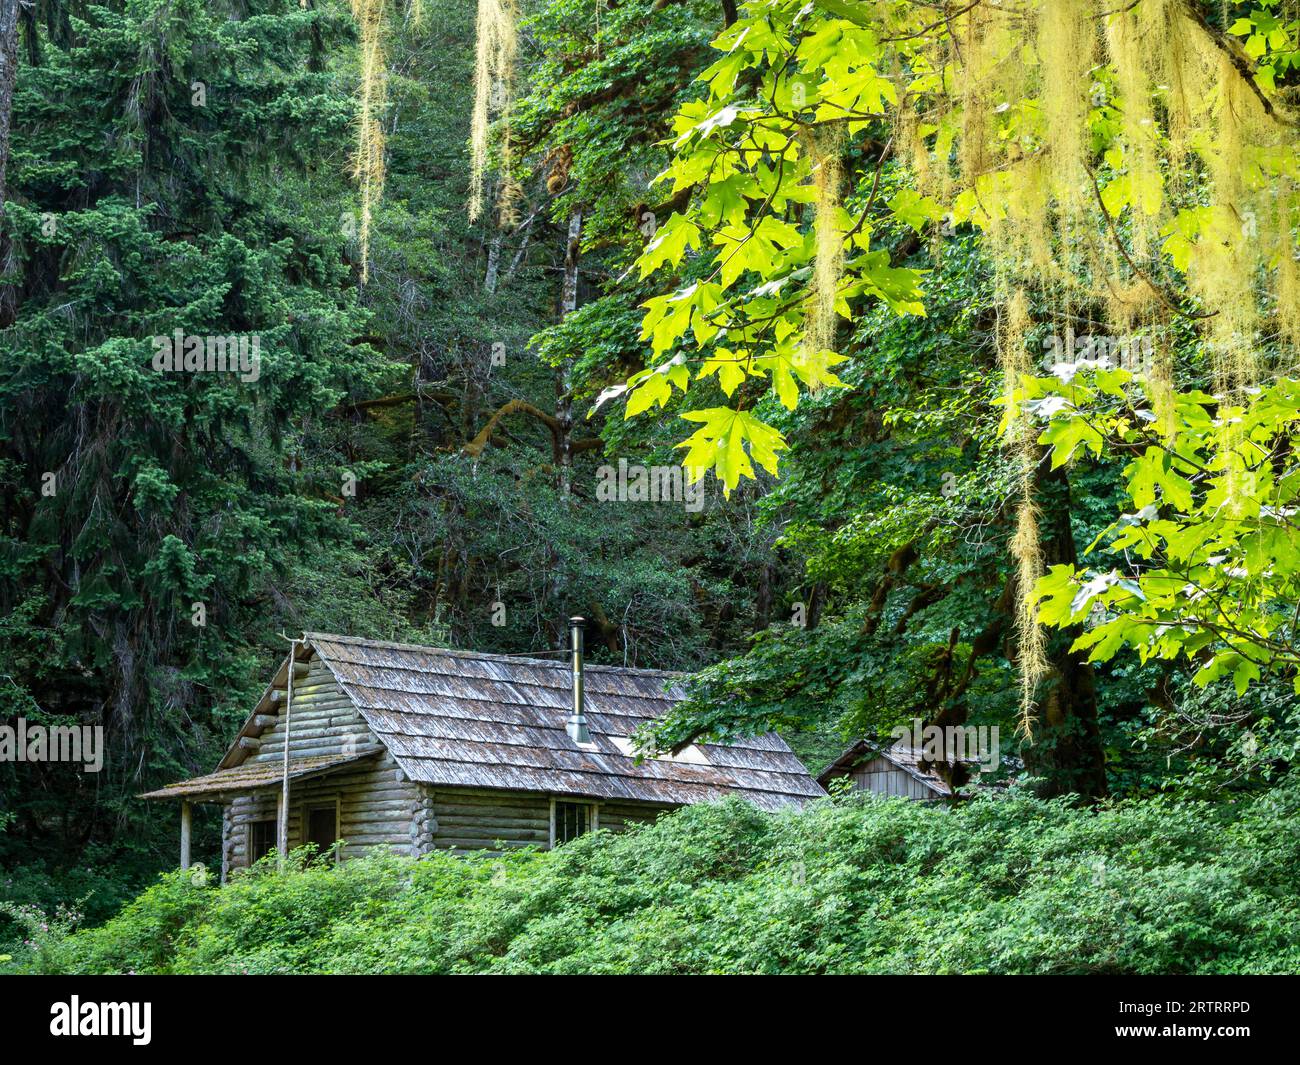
(763, 598)
(816, 603)
(493, 264)
(8, 76)
(564, 406)
(564, 381)
(1067, 749)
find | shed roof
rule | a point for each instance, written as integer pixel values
(465, 719)
(908, 759)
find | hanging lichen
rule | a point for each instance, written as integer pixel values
(512, 194)
(1126, 45)
(978, 59)
(1026, 548)
(1230, 254)
(828, 263)
(368, 168)
(1065, 55)
(494, 58)
(1191, 179)
(1027, 236)
(1022, 129)
(368, 159)
(1160, 386)
(1133, 313)
(1169, 58)
(907, 131)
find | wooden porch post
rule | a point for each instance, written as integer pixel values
(282, 803)
(185, 834)
(281, 827)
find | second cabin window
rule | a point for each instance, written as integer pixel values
(572, 819)
(261, 839)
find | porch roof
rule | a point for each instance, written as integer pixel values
(253, 775)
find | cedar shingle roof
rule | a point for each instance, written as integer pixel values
(462, 719)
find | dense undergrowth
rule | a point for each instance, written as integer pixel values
(1009, 884)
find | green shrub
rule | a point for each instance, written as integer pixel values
(1004, 884)
(42, 937)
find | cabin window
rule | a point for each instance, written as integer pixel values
(261, 839)
(570, 820)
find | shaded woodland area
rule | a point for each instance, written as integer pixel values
(419, 458)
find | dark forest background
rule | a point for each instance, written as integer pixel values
(418, 459)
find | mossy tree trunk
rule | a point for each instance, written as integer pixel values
(1066, 752)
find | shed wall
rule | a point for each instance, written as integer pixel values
(884, 778)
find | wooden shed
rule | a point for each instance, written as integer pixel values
(420, 749)
(896, 770)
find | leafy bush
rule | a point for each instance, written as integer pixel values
(1006, 884)
(43, 936)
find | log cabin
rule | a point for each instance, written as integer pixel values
(416, 749)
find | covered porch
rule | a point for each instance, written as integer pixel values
(253, 782)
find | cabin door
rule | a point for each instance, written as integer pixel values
(322, 827)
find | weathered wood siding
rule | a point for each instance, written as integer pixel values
(467, 820)
(884, 778)
(378, 805)
(322, 720)
(616, 816)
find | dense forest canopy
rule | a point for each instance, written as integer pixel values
(968, 330)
